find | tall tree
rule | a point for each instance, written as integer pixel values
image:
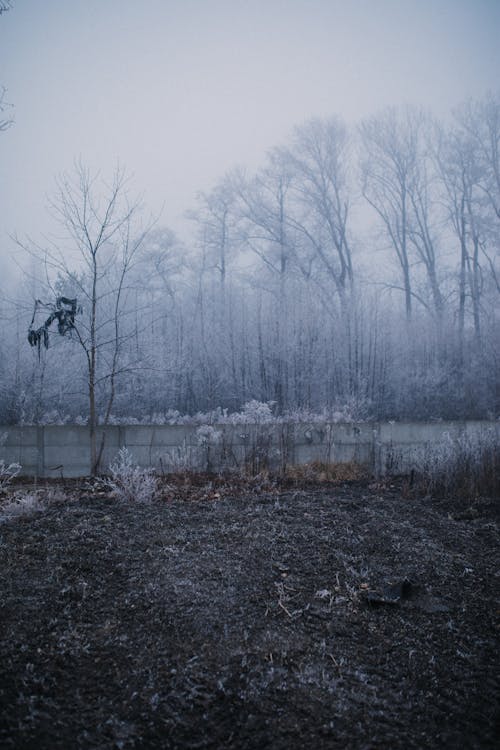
(391, 151)
(480, 120)
(425, 221)
(263, 210)
(218, 240)
(319, 158)
(460, 173)
(215, 220)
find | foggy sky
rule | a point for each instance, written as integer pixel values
(179, 91)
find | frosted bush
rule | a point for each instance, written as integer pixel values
(131, 483)
(55, 417)
(254, 412)
(215, 416)
(171, 416)
(207, 435)
(177, 459)
(157, 418)
(8, 472)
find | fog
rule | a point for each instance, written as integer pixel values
(179, 91)
(279, 208)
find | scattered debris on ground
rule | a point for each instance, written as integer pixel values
(230, 614)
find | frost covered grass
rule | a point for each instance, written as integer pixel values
(26, 504)
(131, 483)
(468, 465)
(22, 504)
(8, 472)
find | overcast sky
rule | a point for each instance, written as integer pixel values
(179, 91)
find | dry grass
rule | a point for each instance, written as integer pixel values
(319, 472)
(468, 466)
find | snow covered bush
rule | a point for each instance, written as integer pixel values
(131, 483)
(208, 435)
(254, 412)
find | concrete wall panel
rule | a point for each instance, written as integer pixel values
(16, 436)
(54, 449)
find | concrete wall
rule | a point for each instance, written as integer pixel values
(54, 451)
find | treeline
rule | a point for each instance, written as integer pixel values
(356, 272)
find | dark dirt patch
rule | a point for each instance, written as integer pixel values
(245, 621)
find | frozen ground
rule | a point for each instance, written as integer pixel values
(250, 616)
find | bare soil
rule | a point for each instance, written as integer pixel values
(346, 615)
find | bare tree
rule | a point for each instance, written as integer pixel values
(319, 158)
(263, 213)
(215, 219)
(263, 209)
(424, 219)
(218, 242)
(103, 237)
(460, 173)
(480, 121)
(391, 150)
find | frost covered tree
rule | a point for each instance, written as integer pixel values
(290, 288)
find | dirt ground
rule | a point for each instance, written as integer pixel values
(346, 615)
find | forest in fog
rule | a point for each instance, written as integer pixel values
(355, 275)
